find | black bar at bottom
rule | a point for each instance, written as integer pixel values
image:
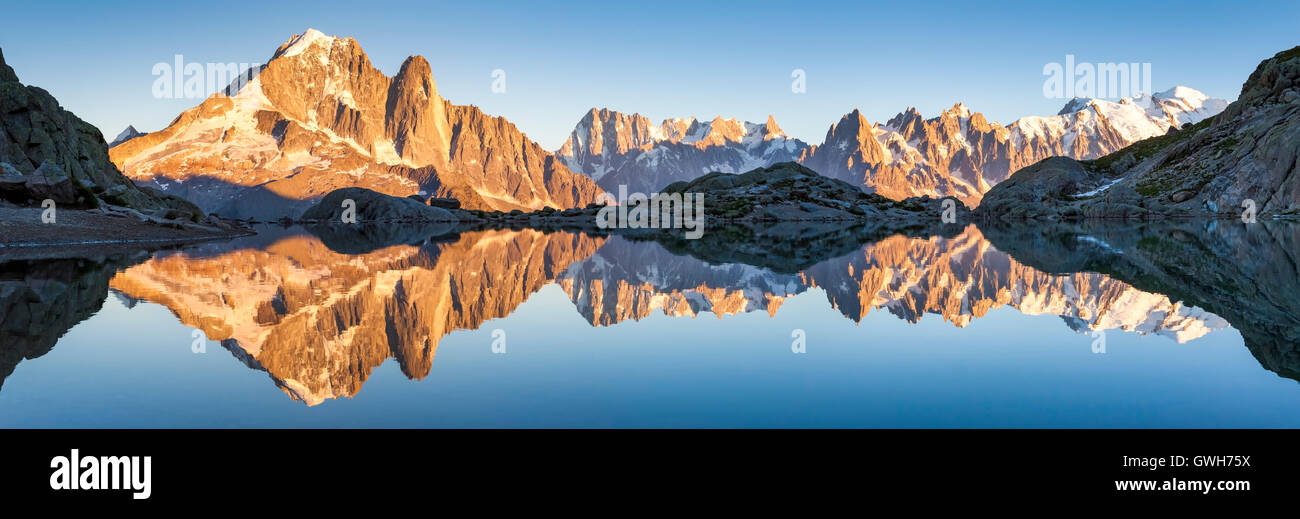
(346, 465)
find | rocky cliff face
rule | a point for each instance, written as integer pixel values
(48, 152)
(319, 116)
(1245, 158)
(618, 149)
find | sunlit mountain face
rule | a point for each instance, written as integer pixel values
(319, 116)
(321, 310)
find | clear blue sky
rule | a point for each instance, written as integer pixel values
(662, 59)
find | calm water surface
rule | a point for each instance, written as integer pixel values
(1190, 326)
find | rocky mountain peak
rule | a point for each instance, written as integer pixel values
(320, 117)
(1075, 105)
(6, 72)
(417, 75)
(908, 122)
(959, 110)
(716, 132)
(129, 133)
(852, 125)
(300, 43)
(770, 128)
(1275, 80)
(674, 129)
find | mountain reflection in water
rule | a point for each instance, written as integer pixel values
(320, 309)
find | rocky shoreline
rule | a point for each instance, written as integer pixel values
(23, 233)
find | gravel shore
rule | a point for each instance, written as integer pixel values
(22, 233)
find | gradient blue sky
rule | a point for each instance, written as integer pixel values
(662, 59)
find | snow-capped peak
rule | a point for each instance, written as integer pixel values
(1185, 98)
(304, 41)
(129, 133)
(1075, 105)
(958, 110)
(1194, 98)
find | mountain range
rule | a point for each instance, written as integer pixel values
(319, 117)
(959, 153)
(616, 149)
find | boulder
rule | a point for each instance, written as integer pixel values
(445, 203)
(49, 182)
(372, 206)
(170, 214)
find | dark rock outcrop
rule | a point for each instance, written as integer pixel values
(792, 192)
(371, 206)
(445, 203)
(39, 138)
(48, 182)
